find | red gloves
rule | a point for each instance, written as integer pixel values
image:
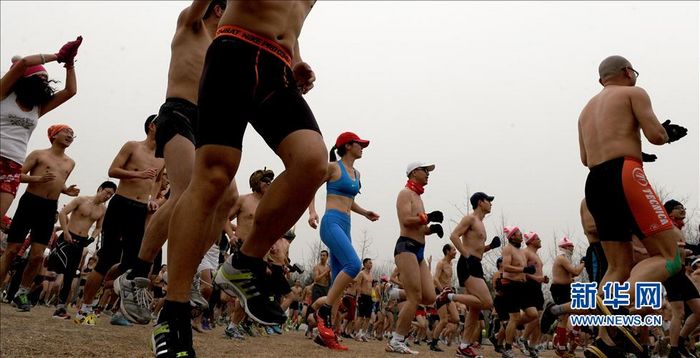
(68, 52)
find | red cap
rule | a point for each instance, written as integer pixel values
(347, 137)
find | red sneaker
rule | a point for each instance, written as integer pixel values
(466, 352)
(334, 345)
(442, 299)
(324, 331)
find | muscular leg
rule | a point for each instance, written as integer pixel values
(305, 160)
(406, 262)
(179, 161)
(663, 250)
(214, 170)
(691, 322)
(7, 257)
(677, 315)
(36, 257)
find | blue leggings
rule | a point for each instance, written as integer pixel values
(335, 233)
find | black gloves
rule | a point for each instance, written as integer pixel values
(674, 131)
(529, 269)
(648, 157)
(435, 217)
(495, 242)
(437, 229)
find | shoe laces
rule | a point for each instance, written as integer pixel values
(143, 297)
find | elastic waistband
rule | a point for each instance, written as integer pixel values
(266, 44)
(337, 213)
(619, 161)
(406, 238)
(76, 236)
(179, 100)
(39, 198)
(131, 202)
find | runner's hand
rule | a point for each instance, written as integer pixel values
(436, 217)
(68, 52)
(648, 157)
(149, 173)
(313, 220)
(529, 269)
(152, 205)
(546, 280)
(67, 237)
(495, 242)
(372, 216)
(304, 76)
(674, 131)
(47, 177)
(437, 229)
(72, 190)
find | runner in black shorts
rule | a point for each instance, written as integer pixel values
(364, 306)
(248, 77)
(469, 267)
(176, 116)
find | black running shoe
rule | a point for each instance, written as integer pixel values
(248, 284)
(172, 339)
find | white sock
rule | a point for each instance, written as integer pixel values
(21, 291)
(397, 337)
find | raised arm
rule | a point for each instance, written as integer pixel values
(63, 95)
(193, 14)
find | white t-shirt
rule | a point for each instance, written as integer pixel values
(16, 127)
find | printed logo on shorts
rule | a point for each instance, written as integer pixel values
(656, 207)
(639, 177)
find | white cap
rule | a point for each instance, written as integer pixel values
(415, 165)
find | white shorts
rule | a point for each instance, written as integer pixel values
(210, 261)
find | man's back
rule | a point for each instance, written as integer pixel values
(609, 127)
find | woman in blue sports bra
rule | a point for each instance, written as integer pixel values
(342, 185)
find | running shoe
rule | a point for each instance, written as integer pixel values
(60, 313)
(323, 324)
(21, 301)
(318, 340)
(233, 332)
(248, 284)
(508, 354)
(135, 299)
(466, 352)
(434, 347)
(172, 339)
(119, 320)
(395, 346)
(442, 299)
(601, 350)
(277, 329)
(86, 319)
(196, 299)
(335, 345)
(269, 330)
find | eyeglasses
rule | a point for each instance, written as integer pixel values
(636, 74)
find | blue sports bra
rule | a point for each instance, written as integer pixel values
(344, 186)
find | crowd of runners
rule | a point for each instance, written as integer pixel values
(235, 63)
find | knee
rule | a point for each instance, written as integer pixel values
(486, 303)
(212, 182)
(12, 251)
(314, 167)
(36, 258)
(428, 299)
(352, 268)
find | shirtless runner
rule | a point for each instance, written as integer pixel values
(253, 73)
(46, 171)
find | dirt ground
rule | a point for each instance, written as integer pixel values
(37, 334)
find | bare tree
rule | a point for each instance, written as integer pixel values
(365, 244)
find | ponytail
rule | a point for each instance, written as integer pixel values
(331, 154)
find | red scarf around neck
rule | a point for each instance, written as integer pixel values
(415, 187)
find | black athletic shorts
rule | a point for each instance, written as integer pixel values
(122, 233)
(470, 266)
(67, 256)
(560, 293)
(277, 282)
(533, 296)
(596, 263)
(680, 288)
(513, 298)
(622, 201)
(248, 79)
(176, 116)
(364, 306)
(36, 215)
(318, 291)
(406, 244)
(499, 303)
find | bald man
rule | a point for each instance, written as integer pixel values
(618, 193)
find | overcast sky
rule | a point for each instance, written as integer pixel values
(489, 92)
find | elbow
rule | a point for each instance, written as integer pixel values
(659, 138)
(112, 173)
